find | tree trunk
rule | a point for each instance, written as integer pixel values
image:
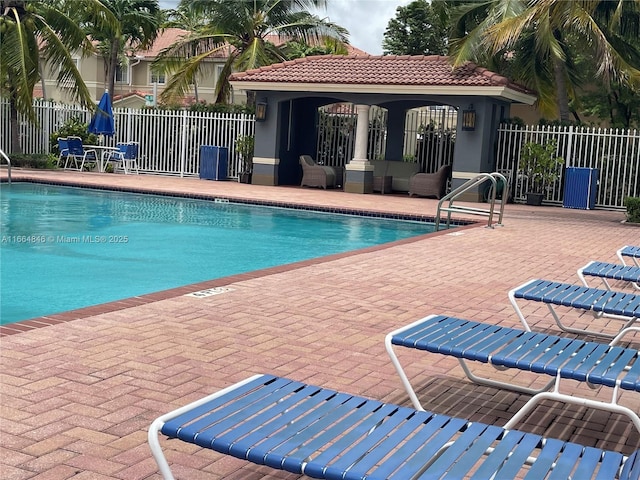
(251, 98)
(561, 90)
(41, 72)
(15, 127)
(112, 65)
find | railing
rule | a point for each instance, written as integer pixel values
(475, 182)
(169, 140)
(614, 152)
(4, 155)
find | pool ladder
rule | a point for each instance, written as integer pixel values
(4, 155)
(469, 184)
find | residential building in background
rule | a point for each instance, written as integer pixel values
(136, 84)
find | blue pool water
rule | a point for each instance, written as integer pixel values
(65, 248)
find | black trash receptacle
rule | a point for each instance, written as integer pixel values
(213, 162)
(580, 188)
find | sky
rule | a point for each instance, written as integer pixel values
(366, 20)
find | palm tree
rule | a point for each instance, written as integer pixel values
(137, 28)
(537, 37)
(239, 29)
(327, 46)
(32, 30)
(192, 20)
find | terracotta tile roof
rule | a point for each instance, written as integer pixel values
(166, 38)
(421, 70)
(170, 35)
(277, 40)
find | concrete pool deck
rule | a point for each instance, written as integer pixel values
(77, 397)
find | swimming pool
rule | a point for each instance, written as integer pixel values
(65, 248)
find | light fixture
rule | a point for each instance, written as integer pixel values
(469, 119)
(261, 111)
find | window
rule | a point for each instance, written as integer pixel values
(122, 74)
(157, 78)
(69, 83)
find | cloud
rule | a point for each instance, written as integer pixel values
(366, 20)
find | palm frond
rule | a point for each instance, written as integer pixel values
(20, 60)
(185, 73)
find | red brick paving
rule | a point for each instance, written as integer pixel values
(78, 396)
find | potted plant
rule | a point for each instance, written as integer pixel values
(244, 147)
(540, 166)
(633, 209)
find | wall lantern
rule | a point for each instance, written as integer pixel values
(469, 119)
(261, 111)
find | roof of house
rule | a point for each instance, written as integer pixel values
(381, 74)
(169, 36)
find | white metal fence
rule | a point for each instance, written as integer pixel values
(615, 153)
(169, 140)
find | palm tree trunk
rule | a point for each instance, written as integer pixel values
(41, 72)
(15, 126)
(112, 65)
(561, 90)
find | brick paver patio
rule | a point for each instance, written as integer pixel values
(78, 396)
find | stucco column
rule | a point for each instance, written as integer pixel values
(362, 132)
(359, 172)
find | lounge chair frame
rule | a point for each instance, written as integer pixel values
(322, 433)
(596, 364)
(599, 302)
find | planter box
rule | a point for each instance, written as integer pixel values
(534, 199)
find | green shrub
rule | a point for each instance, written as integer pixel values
(72, 128)
(34, 160)
(244, 146)
(540, 165)
(633, 209)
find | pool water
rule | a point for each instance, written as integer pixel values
(65, 248)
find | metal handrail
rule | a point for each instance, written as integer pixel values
(4, 155)
(469, 184)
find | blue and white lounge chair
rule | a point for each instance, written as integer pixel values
(631, 252)
(619, 305)
(610, 271)
(321, 433)
(562, 358)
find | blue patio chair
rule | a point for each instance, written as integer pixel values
(126, 156)
(63, 147)
(77, 153)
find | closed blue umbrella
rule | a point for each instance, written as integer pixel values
(102, 122)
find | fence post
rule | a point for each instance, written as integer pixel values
(567, 158)
(183, 147)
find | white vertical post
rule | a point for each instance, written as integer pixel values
(567, 159)
(362, 131)
(185, 136)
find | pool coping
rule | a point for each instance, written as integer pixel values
(123, 304)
